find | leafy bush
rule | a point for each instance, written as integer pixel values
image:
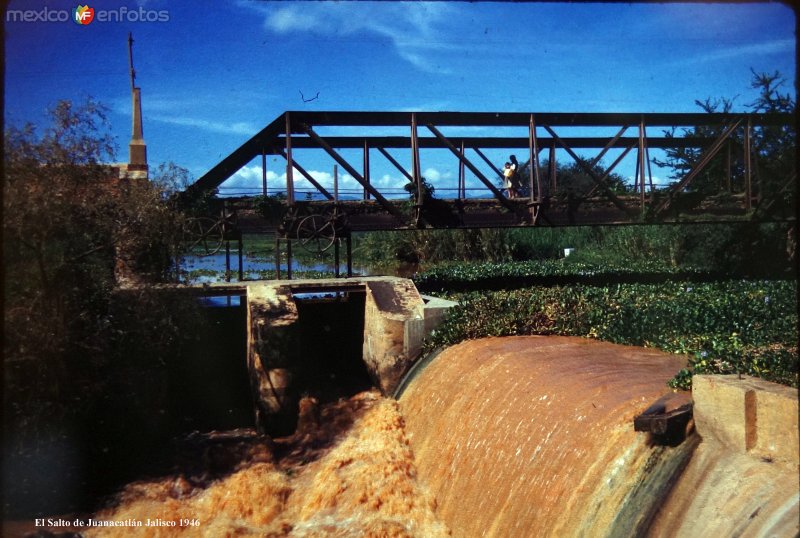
(455, 277)
(724, 327)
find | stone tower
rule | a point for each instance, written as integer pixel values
(137, 156)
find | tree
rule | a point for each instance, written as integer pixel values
(67, 216)
(773, 147)
(683, 160)
(572, 179)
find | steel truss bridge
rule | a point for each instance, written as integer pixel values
(316, 223)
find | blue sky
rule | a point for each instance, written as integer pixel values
(215, 73)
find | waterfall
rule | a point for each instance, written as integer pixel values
(533, 436)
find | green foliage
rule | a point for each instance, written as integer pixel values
(171, 178)
(683, 160)
(574, 180)
(723, 327)
(68, 221)
(643, 253)
(272, 207)
(433, 246)
(773, 150)
(481, 276)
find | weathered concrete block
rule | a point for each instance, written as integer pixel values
(393, 330)
(748, 415)
(435, 311)
(776, 428)
(719, 409)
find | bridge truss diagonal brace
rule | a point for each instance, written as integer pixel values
(449, 145)
(352, 171)
(488, 162)
(704, 160)
(306, 175)
(600, 183)
(608, 146)
(396, 164)
(611, 168)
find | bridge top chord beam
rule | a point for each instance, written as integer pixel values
(272, 138)
(485, 142)
(522, 119)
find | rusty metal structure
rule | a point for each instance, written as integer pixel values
(325, 217)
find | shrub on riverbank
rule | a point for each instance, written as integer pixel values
(457, 277)
(723, 327)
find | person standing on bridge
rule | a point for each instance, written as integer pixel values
(508, 177)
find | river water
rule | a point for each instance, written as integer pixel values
(205, 269)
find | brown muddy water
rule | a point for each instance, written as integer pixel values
(503, 437)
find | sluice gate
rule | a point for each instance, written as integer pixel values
(327, 339)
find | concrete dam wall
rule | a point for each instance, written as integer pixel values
(533, 436)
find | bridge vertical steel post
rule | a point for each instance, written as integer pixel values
(462, 180)
(264, 171)
(336, 201)
(349, 256)
(748, 194)
(647, 158)
(227, 260)
(640, 163)
(366, 168)
(552, 165)
(289, 162)
(336, 260)
(277, 255)
(288, 258)
(533, 168)
(336, 183)
(415, 167)
(241, 266)
(728, 166)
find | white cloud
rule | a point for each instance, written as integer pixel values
(657, 181)
(432, 174)
(238, 128)
(414, 28)
(779, 46)
(249, 179)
